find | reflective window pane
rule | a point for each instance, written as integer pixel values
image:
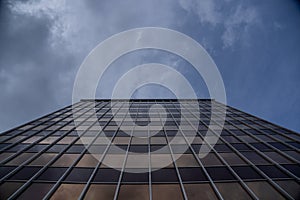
(100, 191)
(167, 192)
(133, 192)
(38, 189)
(264, 190)
(232, 191)
(8, 188)
(67, 191)
(220, 173)
(200, 191)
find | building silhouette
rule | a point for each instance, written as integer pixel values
(45, 158)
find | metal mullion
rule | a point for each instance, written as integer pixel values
(259, 119)
(28, 123)
(35, 156)
(27, 137)
(262, 141)
(269, 135)
(174, 162)
(56, 185)
(28, 182)
(269, 145)
(274, 184)
(125, 160)
(87, 185)
(250, 192)
(200, 163)
(149, 166)
(35, 142)
(265, 156)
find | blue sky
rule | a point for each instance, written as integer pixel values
(254, 43)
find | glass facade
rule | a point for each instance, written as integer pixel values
(45, 158)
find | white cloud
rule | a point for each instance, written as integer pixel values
(64, 20)
(235, 23)
(205, 9)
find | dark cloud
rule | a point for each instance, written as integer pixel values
(253, 43)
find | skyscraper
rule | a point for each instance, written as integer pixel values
(104, 156)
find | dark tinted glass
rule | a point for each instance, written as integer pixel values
(8, 188)
(79, 174)
(164, 175)
(52, 174)
(273, 172)
(134, 192)
(25, 173)
(135, 177)
(220, 173)
(107, 175)
(247, 172)
(192, 174)
(295, 169)
(36, 190)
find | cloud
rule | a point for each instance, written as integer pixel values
(238, 23)
(235, 23)
(65, 28)
(206, 10)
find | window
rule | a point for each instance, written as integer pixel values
(107, 175)
(158, 140)
(164, 175)
(280, 146)
(211, 160)
(295, 169)
(278, 158)
(135, 177)
(220, 173)
(134, 192)
(261, 146)
(121, 140)
(67, 140)
(79, 175)
(246, 172)
(66, 160)
(255, 158)
(20, 159)
(8, 188)
(192, 174)
(201, 191)
(49, 140)
(186, 160)
(52, 174)
(232, 159)
(222, 148)
(39, 190)
(263, 190)
(273, 171)
(56, 148)
(137, 161)
(241, 147)
(166, 191)
(100, 191)
(89, 160)
(25, 173)
(232, 191)
(43, 159)
(161, 160)
(291, 187)
(68, 191)
(76, 149)
(113, 160)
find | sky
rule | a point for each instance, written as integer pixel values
(254, 43)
